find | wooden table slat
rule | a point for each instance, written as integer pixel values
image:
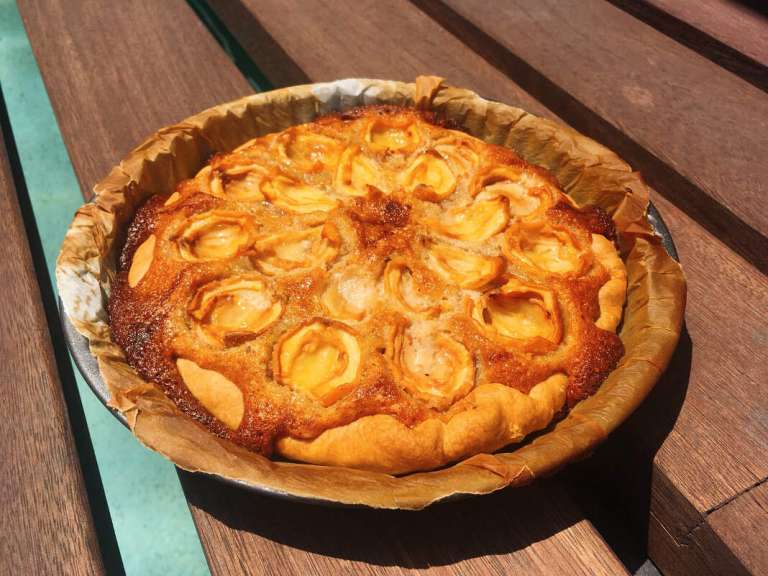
(168, 67)
(325, 50)
(728, 32)
(694, 129)
(45, 517)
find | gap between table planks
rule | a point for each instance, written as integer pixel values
(157, 77)
(715, 450)
(731, 34)
(45, 517)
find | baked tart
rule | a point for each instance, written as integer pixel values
(374, 289)
(371, 292)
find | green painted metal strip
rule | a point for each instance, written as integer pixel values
(152, 523)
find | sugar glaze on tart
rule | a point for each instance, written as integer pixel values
(374, 290)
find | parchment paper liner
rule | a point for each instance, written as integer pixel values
(590, 173)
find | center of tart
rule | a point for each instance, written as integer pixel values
(320, 358)
(234, 309)
(215, 235)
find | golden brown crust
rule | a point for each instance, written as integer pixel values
(591, 174)
(271, 271)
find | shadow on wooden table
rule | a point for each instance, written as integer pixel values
(443, 534)
(613, 487)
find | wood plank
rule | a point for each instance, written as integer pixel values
(741, 525)
(695, 130)
(532, 530)
(106, 93)
(164, 77)
(732, 34)
(325, 50)
(45, 517)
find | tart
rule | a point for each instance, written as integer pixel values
(374, 289)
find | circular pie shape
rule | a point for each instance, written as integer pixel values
(373, 290)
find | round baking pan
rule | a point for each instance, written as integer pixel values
(86, 363)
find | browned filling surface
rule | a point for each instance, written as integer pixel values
(375, 262)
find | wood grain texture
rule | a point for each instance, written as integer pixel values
(294, 41)
(732, 22)
(730, 540)
(45, 519)
(694, 129)
(741, 525)
(729, 33)
(174, 69)
(111, 77)
(532, 530)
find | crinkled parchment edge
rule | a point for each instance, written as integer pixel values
(589, 172)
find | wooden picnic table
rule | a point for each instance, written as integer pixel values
(679, 93)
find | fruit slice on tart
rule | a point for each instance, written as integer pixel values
(215, 235)
(463, 268)
(476, 222)
(519, 314)
(280, 253)
(320, 358)
(429, 177)
(234, 309)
